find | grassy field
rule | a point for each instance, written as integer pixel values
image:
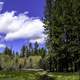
(18, 75)
(29, 75)
(65, 76)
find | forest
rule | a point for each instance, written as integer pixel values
(61, 53)
(62, 23)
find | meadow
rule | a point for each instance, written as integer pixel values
(11, 71)
(33, 75)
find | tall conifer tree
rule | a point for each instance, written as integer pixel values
(62, 23)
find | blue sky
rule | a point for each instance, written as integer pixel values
(20, 23)
(34, 7)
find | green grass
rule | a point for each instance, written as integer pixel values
(65, 76)
(21, 75)
(29, 75)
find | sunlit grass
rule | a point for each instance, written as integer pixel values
(65, 76)
(33, 75)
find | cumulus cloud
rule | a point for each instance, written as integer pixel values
(21, 27)
(39, 40)
(2, 45)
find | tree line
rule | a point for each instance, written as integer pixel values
(24, 59)
(26, 50)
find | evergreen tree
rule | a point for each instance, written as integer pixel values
(7, 51)
(22, 54)
(62, 28)
(42, 52)
(27, 51)
(36, 45)
(30, 48)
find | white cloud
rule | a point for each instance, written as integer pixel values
(2, 45)
(21, 26)
(39, 40)
(31, 29)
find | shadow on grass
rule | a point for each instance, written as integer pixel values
(46, 77)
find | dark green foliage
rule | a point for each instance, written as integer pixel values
(42, 52)
(36, 46)
(23, 51)
(27, 51)
(7, 51)
(62, 23)
(42, 64)
(46, 77)
(30, 48)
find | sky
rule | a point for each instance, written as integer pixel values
(21, 23)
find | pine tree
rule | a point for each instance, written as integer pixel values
(62, 27)
(7, 51)
(22, 54)
(42, 52)
(36, 46)
(30, 48)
